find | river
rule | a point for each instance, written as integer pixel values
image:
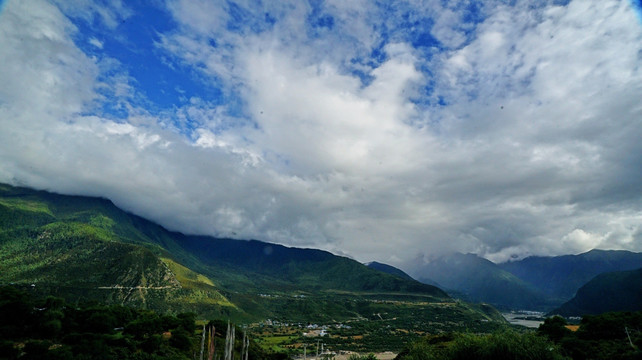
(529, 319)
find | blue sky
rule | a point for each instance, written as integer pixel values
(388, 131)
(164, 82)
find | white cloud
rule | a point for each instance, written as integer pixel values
(42, 69)
(536, 150)
(314, 112)
(580, 241)
(95, 42)
(109, 15)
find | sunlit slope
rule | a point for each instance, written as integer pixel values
(86, 248)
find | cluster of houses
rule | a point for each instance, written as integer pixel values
(312, 327)
(316, 333)
(274, 296)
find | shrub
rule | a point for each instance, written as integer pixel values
(507, 345)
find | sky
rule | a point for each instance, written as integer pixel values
(388, 131)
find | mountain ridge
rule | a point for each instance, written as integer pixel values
(534, 283)
(474, 278)
(561, 276)
(389, 269)
(80, 245)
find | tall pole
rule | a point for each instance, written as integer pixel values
(202, 343)
(227, 342)
(212, 347)
(629, 336)
(247, 348)
(243, 347)
(232, 345)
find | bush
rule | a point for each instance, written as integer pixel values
(36, 350)
(507, 345)
(16, 312)
(7, 350)
(554, 328)
(181, 339)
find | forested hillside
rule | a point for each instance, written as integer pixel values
(613, 291)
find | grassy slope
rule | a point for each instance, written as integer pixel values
(85, 248)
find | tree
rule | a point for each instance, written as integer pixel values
(554, 328)
(16, 312)
(507, 345)
(181, 339)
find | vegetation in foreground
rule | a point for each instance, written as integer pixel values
(507, 345)
(51, 329)
(610, 336)
(613, 335)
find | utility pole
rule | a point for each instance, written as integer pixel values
(243, 347)
(202, 343)
(246, 344)
(212, 346)
(305, 346)
(629, 336)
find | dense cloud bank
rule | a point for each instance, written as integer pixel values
(383, 132)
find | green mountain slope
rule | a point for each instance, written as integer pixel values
(84, 248)
(298, 269)
(87, 248)
(613, 291)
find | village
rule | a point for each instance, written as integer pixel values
(312, 341)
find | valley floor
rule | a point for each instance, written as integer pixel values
(529, 319)
(383, 327)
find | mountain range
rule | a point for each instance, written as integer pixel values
(84, 248)
(561, 276)
(476, 279)
(534, 283)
